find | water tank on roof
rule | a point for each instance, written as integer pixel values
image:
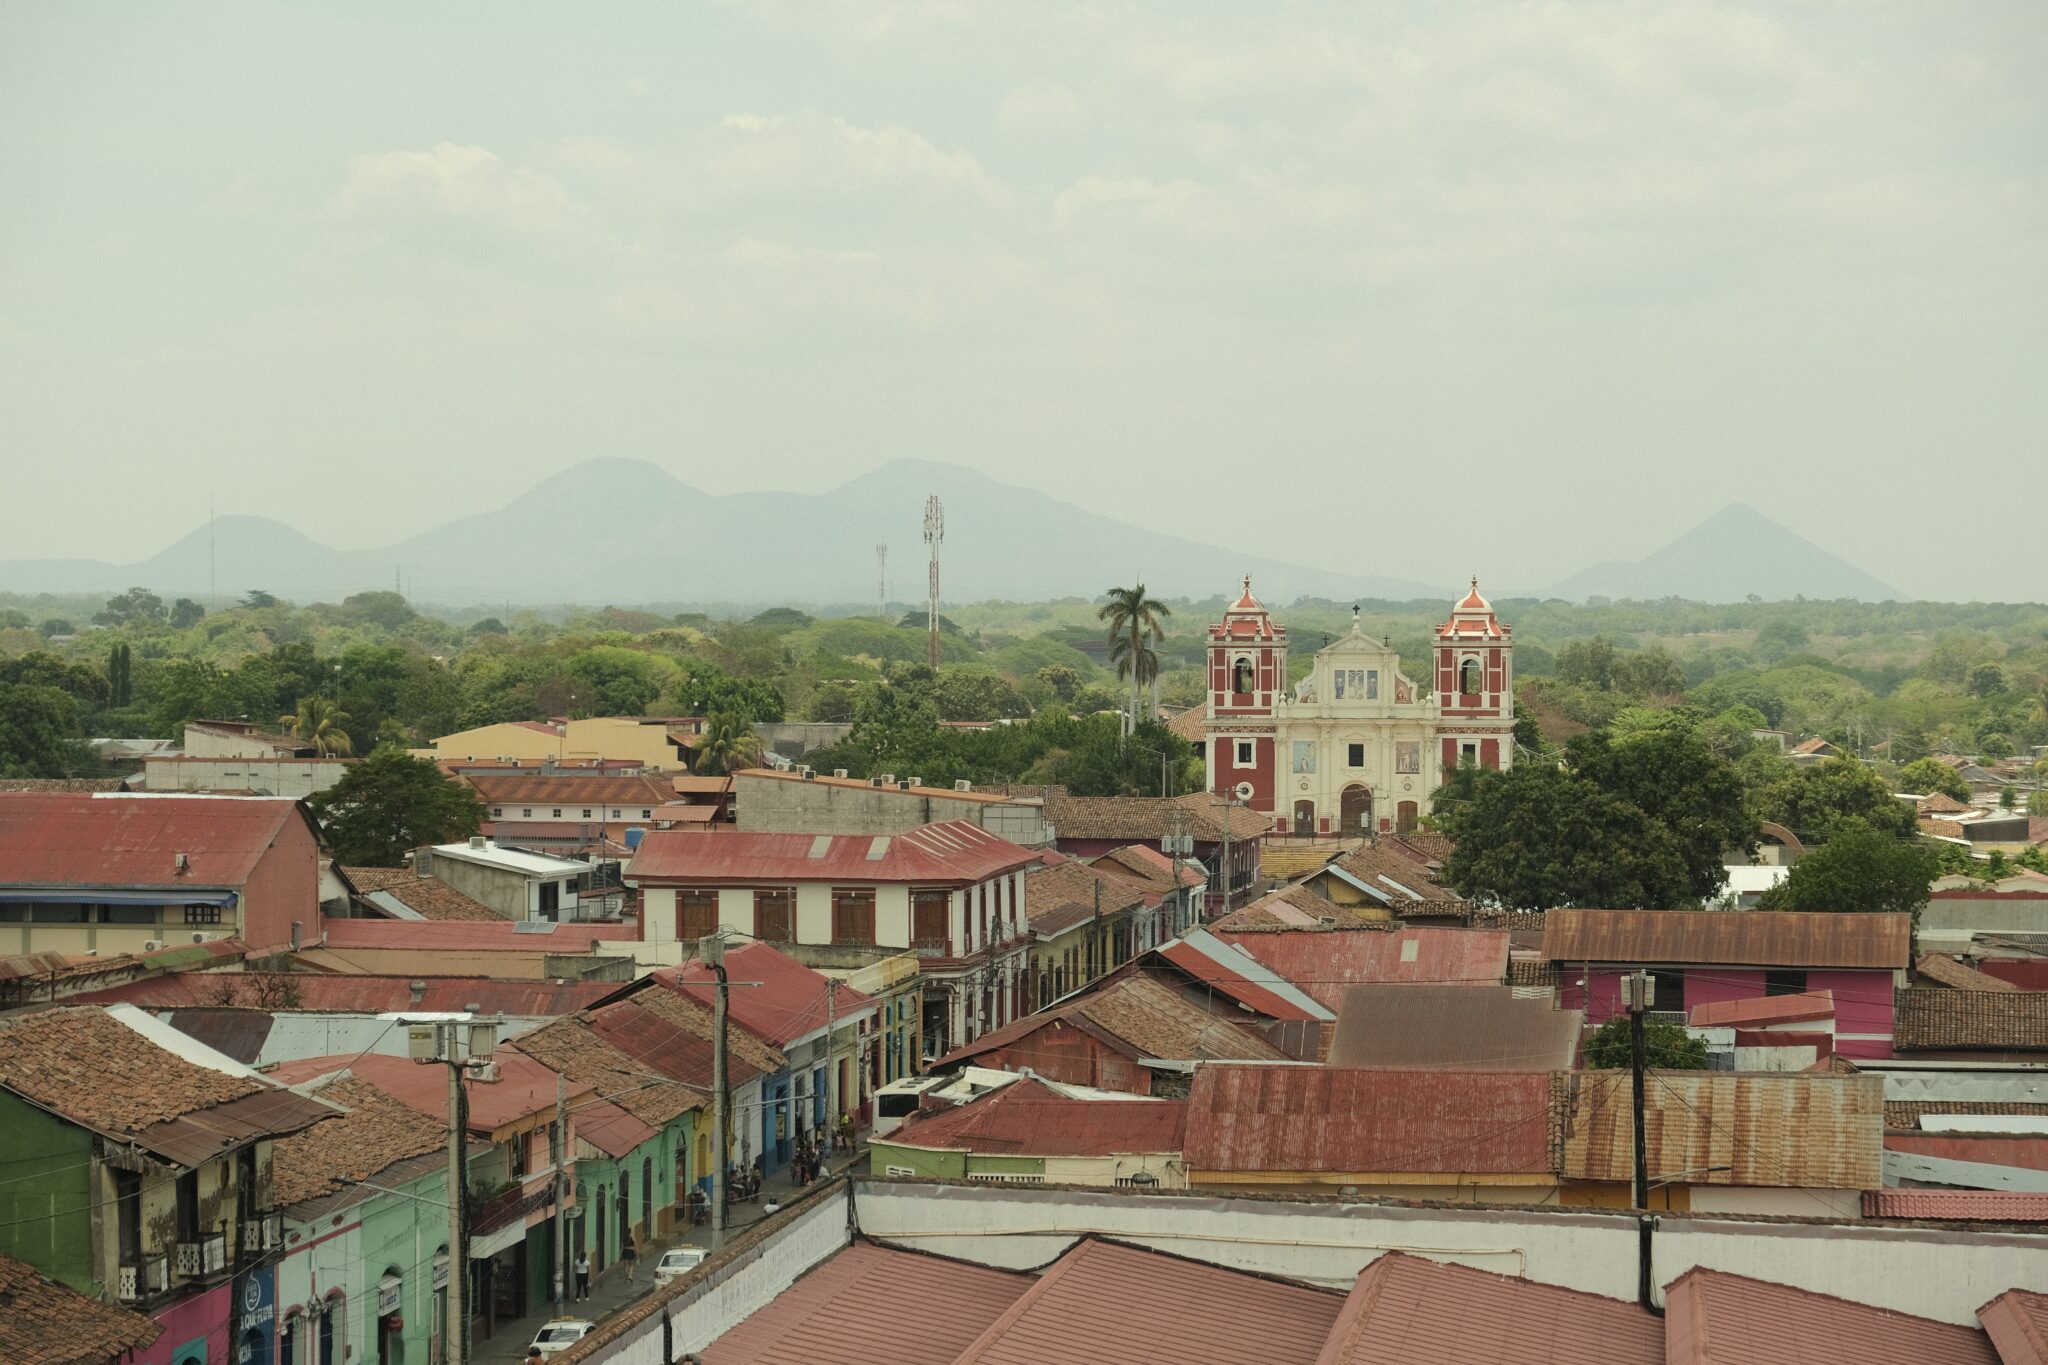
(634, 834)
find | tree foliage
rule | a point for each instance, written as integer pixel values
(1925, 776)
(1666, 1047)
(391, 803)
(1859, 869)
(1813, 802)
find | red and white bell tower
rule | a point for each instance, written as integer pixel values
(1247, 677)
(1475, 686)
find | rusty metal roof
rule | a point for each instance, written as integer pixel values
(1230, 970)
(1029, 1118)
(1336, 1119)
(196, 1138)
(115, 839)
(1989, 1149)
(1453, 1028)
(1714, 1318)
(782, 1000)
(1407, 1310)
(2017, 1323)
(1786, 1129)
(1751, 938)
(1141, 1019)
(1764, 1009)
(1327, 962)
(308, 992)
(950, 853)
(523, 1092)
(857, 1307)
(1106, 1301)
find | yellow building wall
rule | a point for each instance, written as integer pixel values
(613, 737)
(1606, 1195)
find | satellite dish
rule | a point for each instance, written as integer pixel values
(1243, 790)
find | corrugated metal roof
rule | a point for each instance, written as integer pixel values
(1104, 1301)
(1990, 1149)
(773, 996)
(609, 1128)
(1139, 1018)
(1409, 1310)
(1237, 974)
(1765, 1009)
(1998, 1206)
(198, 1137)
(1714, 1318)
(952, 852)
(120, 840)
(1327, 962)
(861, 1306)
(1453, 1028)
(1030, 1119)
(1332, 1119)
(524, 1089)
(2017, 1323)
(671, 1033)
(1753, 938)
(1796, 1129)
(517, 936)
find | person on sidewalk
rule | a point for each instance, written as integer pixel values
(630, 1254)
(582, 1275)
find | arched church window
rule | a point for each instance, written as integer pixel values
(1241, 675)
(1468, 678)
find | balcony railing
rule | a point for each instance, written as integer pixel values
(264, 1232)
(145, 1278)
(203, 1256)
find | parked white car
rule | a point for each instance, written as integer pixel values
(561, 1334)
(677, 1262)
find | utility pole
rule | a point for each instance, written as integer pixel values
(561, 1155)
(711, 951)
(835, 1093)
(1641, 993)
(456, 1331)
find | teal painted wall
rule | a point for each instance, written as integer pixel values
(46, 1169)
(931, 1165)
(403, 1232)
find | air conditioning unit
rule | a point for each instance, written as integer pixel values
(199, 938)
(874, 782)
(839, 772)
(151, 945)
(963, 785)
(483, 1072)
(888, 779)
(805, 771)
(915, 782)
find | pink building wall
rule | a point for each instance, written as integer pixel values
(1863, 999)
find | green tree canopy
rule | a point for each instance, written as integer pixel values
(1666, 1047)
(727, 745)
(1925, 776)
(1813, 801)
(391, 803)
(185, 613)
(39, 734)
(135, 607)
(1858, 869)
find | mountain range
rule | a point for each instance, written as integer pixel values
(629, 532)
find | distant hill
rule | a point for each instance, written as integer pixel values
(1733, 555)
(626, 532)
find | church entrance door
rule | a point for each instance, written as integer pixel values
(1405, 818)
(1357, 810)
(1304, 817)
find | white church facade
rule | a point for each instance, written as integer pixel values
(1356, 746)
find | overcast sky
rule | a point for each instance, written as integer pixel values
(1363, 285)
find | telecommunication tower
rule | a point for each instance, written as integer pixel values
(934, 532)
(882, 581)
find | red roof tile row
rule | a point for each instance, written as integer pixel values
(1029, 1118)
(119, 840)
(771, 995)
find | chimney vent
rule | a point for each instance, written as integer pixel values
(182, 862)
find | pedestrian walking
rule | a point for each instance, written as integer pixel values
(582, 1275)
(630, 1254)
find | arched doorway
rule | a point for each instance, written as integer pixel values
(1304, 817)
(1356, 807)
(1406, 818)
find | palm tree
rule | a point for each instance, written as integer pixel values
(727, 744)
(320, 723)
(1134, 619)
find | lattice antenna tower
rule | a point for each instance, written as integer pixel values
(934, 532)
(882, 581)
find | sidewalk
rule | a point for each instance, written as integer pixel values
(611, 1291)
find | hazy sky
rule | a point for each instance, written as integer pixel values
(1400, 288)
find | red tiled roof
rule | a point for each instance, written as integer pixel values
(121, 840)
(469, 935)
(851, 1310)
(1769, 1009)
(2017, 1323)
(1940, 1017)
(1218, 973)
(378, 1130)
(772, 996)
(427, 897)
(1946, 971)
(1409, 1310)
(1324, 962)
(952, 852)
(47, 1323)
(1714, 1318)
(524, 1089)
(671, 1034)
(1330, 1119)
(1104, 1301)
(1760, 938)
(1999, 1206)
(310, 992)
(1029, 1118)
(1138, 1017)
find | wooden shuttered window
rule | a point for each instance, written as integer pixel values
(931, 915)
(853, 915)
(775, 915)
(696, 914)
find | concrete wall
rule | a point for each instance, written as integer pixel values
(1952, 918)
(780, 805)
(297, 778)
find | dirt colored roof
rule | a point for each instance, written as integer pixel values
(1404, 1310)
(572, 789)
(1939, 1017)
(1139, 1018)
(573, 1048)
(1453, 1028)
(63, 784)
(377, 1132)
(1335, 1119)
(1944, 970)
(1941, 803)
(1757, 938)
(1995, 1206)
(1059, 897)
(83, 1064)
(1146, 819)
(1106, 1301)
(469, 936)
(1147, 866)
(427, 897)
(1288, 907)
(850, 1310)
(1327, 962)
(2017, 1323)
(951, 852)
(1423, 845)
(1406, 880)
(776, 998)
(1758, 1011)
(1715, 1318)
(311, 992)
(117, 839)
(1191, 725)
(1792, 1129)
(47, 1323)
(1904, 1115)
(1029, 1118)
